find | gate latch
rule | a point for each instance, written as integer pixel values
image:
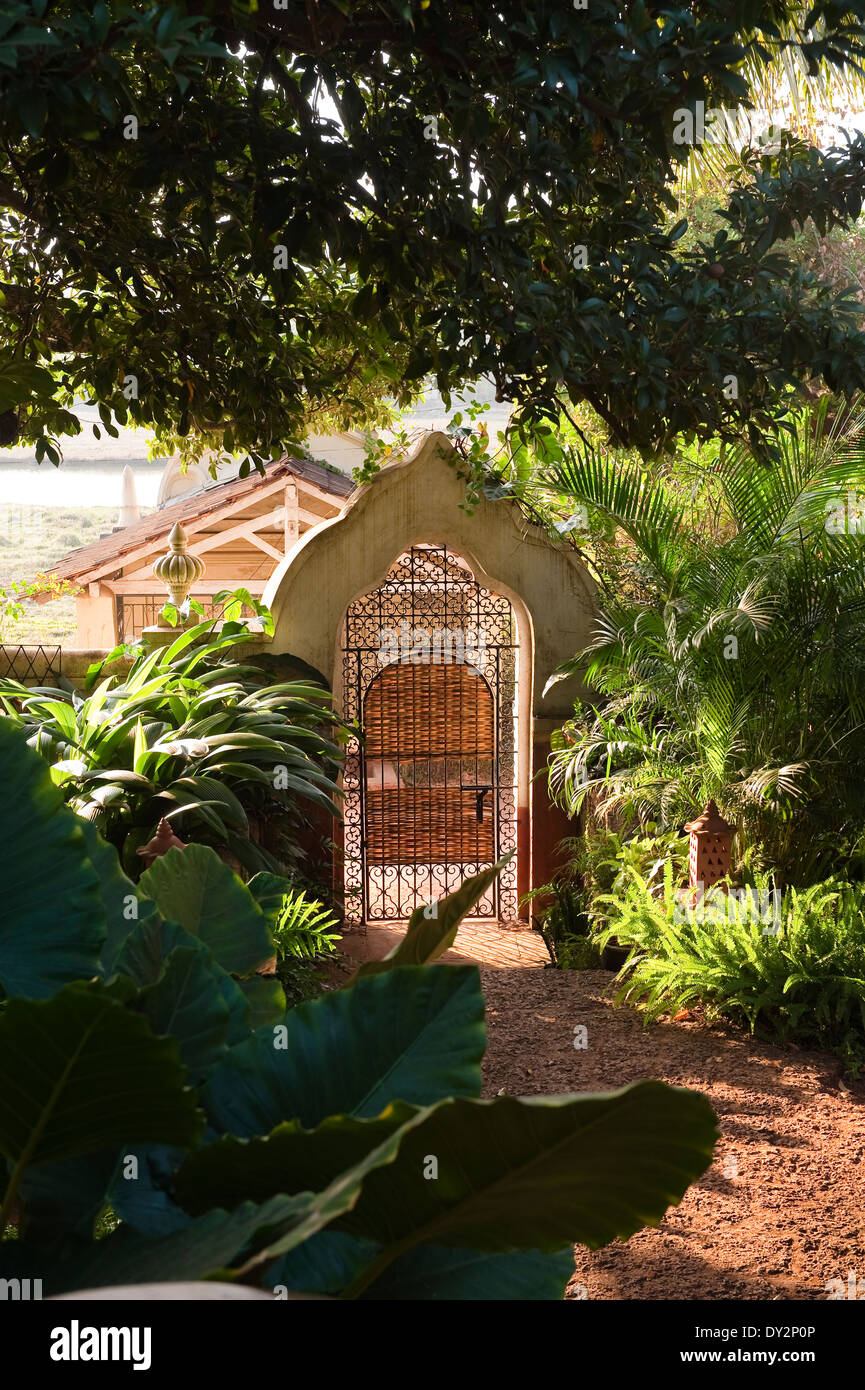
(479, 802)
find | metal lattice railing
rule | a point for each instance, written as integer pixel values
(31, 665)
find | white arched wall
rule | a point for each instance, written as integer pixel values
(413, 501)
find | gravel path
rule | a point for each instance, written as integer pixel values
(780, 1213)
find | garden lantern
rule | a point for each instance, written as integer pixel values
(711, 846)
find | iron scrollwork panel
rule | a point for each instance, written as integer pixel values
(430, 799)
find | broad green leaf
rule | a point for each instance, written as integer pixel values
(195, 888)
(141, 1191)
(326, 1263)
(186, 1003)
(414, 1034)
(207, 1246)
(57, 1198)
(194, 1251)
(148, 946)
(269, 891)
(78, 1073)
(122, 905)
(52, 920)
(540, 1172)
(534, 1174)
(266, 999)
(437, 1272)
(290, 1159)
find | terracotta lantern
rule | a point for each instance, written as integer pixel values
(178, 570)
(711, 847)
(164, 840)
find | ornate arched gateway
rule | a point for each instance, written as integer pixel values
(430, 671)
(405, 547)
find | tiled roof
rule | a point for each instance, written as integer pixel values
(197, 504)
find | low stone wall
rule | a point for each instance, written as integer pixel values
(42, 665)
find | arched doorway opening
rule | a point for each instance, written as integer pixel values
(430, 663)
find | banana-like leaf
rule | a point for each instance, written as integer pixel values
(415, 1033)
(195, 888)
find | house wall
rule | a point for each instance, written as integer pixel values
(96, 619)
(343, 451)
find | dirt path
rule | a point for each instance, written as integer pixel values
(780, 1213)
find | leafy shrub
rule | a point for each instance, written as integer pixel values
(598, 863)
(302, 936)
(789, 966)
(192, 735)
(301, 927)
(578, 952)
(145, 1066)
(737, 671)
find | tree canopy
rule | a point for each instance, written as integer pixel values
(226, 220)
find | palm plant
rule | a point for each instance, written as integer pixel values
(738, 672)
(782, 84)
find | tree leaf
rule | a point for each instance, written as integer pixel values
(78, 1073)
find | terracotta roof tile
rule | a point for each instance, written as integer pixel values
(197, 504)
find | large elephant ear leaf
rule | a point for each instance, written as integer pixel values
(536, 1173)
(150, 946)
(195, 888)
(186, 1002)
(269, 890)
(122, 904)
(332, 1260)
(438, 1272)
(432, 929)
(414, 1034)
(248, 1238)
(52, 918)
(79, 1073)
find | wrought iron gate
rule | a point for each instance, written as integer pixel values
(430, 675)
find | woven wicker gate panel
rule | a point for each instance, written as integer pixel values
(422, 825)
(428, 712)
(436, 723)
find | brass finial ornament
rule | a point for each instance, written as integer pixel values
(177, 569)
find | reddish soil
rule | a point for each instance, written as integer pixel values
(780, 1213)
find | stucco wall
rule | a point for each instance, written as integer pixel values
(416, 500)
